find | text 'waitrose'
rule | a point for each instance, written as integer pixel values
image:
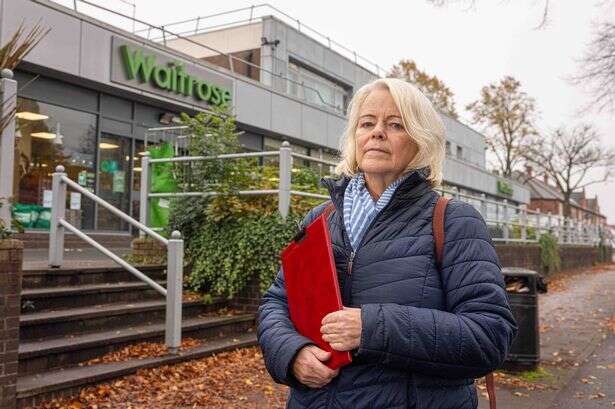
(171, 78)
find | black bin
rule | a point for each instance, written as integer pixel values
(522, 294)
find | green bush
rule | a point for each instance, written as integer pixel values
(549, 254)
(230, 238)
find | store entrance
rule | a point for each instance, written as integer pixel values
(114, 180)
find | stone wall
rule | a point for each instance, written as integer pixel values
(11, 257)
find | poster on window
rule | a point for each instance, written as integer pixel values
(75, 200)
(47, 194)
(119, 177)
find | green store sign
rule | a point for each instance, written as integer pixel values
(160, 73)
(504, 188)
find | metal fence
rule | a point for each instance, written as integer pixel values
(507, 222)
(255, 13)
(162, 35)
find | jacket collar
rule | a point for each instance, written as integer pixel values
(412, 188)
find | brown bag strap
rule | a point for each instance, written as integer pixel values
(438, 237)
(438, 228)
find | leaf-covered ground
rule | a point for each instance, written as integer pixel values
(230, 380)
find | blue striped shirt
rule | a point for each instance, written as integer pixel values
(360, 209)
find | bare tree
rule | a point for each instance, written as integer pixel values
(430, 85)
(507, 115)
(598, 68)
(573, 159)
(546, 5)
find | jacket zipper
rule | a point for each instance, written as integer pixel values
(350, 261)
(347, 290)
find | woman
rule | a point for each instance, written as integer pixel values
(419, 334)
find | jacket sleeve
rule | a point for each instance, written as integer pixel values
(277, 336)
(468, 340)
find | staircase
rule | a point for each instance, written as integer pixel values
(73, 315)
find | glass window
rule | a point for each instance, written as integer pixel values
(459, 152)
(315, 88)
(113, 180)
(49, 135)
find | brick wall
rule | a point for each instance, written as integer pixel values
(519, 255)
(528, 256)
(545, 206)
(11, 257)
(510, 255)
(249, 298)
(148, 250)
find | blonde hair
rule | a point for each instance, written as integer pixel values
(420, 119)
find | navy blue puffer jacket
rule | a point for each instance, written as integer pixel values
(426, 333)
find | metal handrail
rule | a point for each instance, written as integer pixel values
(111, 208)
(175, 251)
(326, 40)
(507, 215)
(167, 35)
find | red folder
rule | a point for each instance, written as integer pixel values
(311, 285)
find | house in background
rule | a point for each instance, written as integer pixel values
(546, 198)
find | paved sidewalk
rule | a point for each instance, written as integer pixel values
(576, 343)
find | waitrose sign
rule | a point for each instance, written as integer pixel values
(151, 71)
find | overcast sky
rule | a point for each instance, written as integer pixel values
(467, 49)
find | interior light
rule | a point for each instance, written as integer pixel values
(142, 153)
(43, 135)
(30, 116)
(105, 145)
(137, 169)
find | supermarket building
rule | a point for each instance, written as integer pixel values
(89, 92)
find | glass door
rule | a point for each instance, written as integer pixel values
(136, 181)
(114, 180)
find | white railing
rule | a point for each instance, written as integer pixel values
(255, 13)
(161, 34)
(516, 223)
(175, 252)
(507, 222)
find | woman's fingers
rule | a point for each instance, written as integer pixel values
(320, 354)
(310, 370)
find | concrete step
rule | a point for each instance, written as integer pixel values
(54, 298)
(62, 277)
(33, 389)
(41, 356)
(53, 324)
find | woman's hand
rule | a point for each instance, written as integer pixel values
(342, 329)
(309, 369)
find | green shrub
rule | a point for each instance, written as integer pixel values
(230, 238)
(549, 254)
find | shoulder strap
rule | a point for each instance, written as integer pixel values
(438, 228)
(438, 236)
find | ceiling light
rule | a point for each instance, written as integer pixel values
(44, 135)
(31, 116)
(105, 145)
(137, 169)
